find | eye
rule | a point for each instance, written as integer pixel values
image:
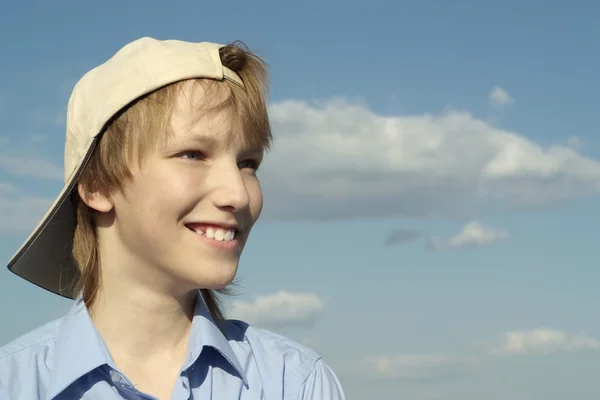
(193, 155)
(252, 164)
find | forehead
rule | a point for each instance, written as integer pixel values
(205, 109)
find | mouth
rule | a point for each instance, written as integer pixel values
(215, 233)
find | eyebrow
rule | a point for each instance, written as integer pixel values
(202, 139)
(211, 142)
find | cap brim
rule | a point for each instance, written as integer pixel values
(45, 259)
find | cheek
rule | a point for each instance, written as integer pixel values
(159, 196)
(175, 189)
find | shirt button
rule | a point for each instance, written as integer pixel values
(116, 377)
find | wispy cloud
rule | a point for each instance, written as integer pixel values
(23, 163)
(279, 309)
(4, 142)
(574, 142)
(38, 138)
(402, 236)
(20, 212)
(412, 366)
(500, 98)
(7, 189)
(473, 234)
(425, 365)
(30, 167)
(51, 118)
(540, 341)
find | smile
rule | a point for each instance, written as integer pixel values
(225, 238)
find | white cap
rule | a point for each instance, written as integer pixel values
(137, 69)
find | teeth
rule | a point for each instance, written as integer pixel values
(219, 234)
(210, 233)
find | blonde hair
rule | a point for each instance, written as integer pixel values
(141, 126)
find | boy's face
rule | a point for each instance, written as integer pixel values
(175, 218)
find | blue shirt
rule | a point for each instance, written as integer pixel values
(67, 359)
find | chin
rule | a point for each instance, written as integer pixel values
(216, 278)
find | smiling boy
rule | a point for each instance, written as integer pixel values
(161, 192)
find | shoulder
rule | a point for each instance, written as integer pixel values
(302, 370)
(25, 361)
(274, 343)
(31, 341)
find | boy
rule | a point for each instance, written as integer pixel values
(161, 192)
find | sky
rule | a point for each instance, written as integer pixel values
(431, 198)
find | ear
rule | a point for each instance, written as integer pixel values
(95, 199)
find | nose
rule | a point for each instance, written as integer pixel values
(230, 188)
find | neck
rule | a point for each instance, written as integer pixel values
(140, 325)
(143, 314)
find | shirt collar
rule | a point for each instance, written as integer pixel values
(205, 332)
(80, 349)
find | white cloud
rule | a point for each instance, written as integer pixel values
(407, 366)
(341, 160)
(500, 98)
(338, 160)
(541, 341)
(473, 234)
(279, 309)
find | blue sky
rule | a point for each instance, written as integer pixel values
(416, 121)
